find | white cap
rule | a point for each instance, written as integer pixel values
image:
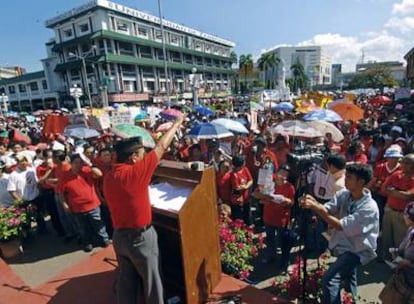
(396, 129)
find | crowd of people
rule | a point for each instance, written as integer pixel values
(359, 195)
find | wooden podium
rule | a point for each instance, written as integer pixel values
(189, 238)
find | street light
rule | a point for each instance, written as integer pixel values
(84, 73)
(164, 52)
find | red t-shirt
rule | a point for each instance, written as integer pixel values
(277, 215)
(399, 182)
(60, 169)
(224, 186)
(126, 190)
(41, 171)
(79, 190)
(239, 178)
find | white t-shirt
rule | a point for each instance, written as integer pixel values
(5, 197)
(24, 183)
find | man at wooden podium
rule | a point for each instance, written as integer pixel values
(126, 189)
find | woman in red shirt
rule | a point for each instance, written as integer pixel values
(241, 181)
(276, 215)
(223, 182)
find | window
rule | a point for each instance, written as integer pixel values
(145, 52)
(34, 86)
(126, 49)
(12, 89)
(122, 26)
(142, 31)
(208, 49)
(84, 27)
(147, 72)
(188, 59)
(22, 88)
(74, 74)
(44, 84)
(130, 86)
(158, 35)
(175, 56)
(128, 70)
(160, 54)
(68, 33)
(174, 39)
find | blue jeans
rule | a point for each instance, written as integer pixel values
(92, 229)
(343, 270)
(139, 278)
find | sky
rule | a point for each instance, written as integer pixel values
(379, 29)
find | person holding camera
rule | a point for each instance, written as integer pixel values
(353, 217)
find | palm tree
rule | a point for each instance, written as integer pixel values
(267, 61)
(299, 76)
(233, 57)
(245, 66)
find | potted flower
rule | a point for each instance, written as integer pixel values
(238, 247)
(291, 286)
(13, 224)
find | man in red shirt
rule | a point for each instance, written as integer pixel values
(78, 196)
(399, 190)
(126, 190)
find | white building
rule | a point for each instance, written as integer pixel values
(10, 72)
(316, 63)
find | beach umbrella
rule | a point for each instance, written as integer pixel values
(295, 128)
(127, 131)
(284, 107)
(323, 115)
(81, 132)
(338, 101)
(204, 111)
(170, 114)
(209, 131)
(231, 125)
(349, 111)
(140, 116)
(326, 127)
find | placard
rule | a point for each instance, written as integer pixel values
(123, 117)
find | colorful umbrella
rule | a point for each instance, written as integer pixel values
(380, 100)
(322, 115)
(16, 135)
(209, 131)
(231, 125)
(81, 132)
(164, 127)
(170, 114)
(326, 127)
(128, 131)
(284, 107)
(296, 128)
(338, 101)
(348, 111)
(140, 116)
(204, 111)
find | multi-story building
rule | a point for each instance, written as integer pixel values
(316, 63)
(409, 57)
(29, 92)
(10, 72)
(336, 72)
(122, 49)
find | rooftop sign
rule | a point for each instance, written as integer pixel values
(137, 14)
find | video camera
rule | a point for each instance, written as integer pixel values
(303, 157)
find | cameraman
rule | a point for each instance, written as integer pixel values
(354, 218)
(327, 179)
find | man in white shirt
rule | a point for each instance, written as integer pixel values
(23, 187)
(5, 198)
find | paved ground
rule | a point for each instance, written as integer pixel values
(47, 255)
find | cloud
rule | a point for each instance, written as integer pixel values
(404, 8)
(403, 25)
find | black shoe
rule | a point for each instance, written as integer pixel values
(88, 248)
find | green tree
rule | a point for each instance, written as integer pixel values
(299, 76)
(233, 57)
(245, 67)
(378, 76)
(267, 61)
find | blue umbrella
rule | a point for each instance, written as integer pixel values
(323, 115)
(142, 115)
(284, 107)
(209, 131)
(204, 111)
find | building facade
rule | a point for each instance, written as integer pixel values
(123, 55)
(409, 57)
(316, 63)
(396, 68)
(10, 72)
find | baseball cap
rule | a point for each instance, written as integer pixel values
(396, 129)
(409, 211)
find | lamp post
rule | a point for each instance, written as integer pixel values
(195, 80)
(84, 73)
(164, 52)
(76, 92)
